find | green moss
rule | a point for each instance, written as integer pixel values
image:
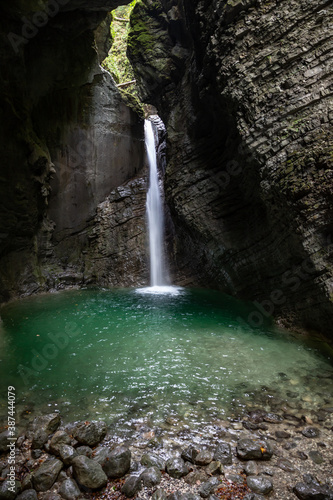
(117, 62)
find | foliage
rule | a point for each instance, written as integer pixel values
(117, 62)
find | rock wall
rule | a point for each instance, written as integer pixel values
(245, 90)
(68, 141)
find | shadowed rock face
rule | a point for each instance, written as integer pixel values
(248, 107)
(68, 140)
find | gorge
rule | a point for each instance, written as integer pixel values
(244, 90)
(219, 386)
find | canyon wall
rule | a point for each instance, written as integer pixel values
(245, 90)
(68, 143)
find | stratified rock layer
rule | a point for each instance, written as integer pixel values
(248, 107)
(68, 141)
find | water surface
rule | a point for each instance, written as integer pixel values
(123, 355)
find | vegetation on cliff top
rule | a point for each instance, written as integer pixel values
(117, 62)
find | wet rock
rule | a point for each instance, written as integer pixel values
(282, 434)
(251, 468)
(47, 423)
(52, 496)
(285, 465)
(316, 457)
(69, 490)
(36, 454)
(195, 477)
(256, 416)
(273, 418)
(46, 475)
(251, 426)
(115, 463)
(132, 486)
(259, 484)
(190, 496)
(6, 493)
(152, 460)
(151, 477)
(204, 457)
(176, 495)
(176, 468)
(39, 438)
(58, 440)
(88, 472)
(234, 478)
(301, 455)
(311, 489)
(159, 494)
(67, 453)
(254, 449)
(84, 450)
(311, 432)
(190, 453)
(223, 454)
(4, 440)
(214, 467)
(90, 433)
(28, 495)
(208, 487)
(27, 482)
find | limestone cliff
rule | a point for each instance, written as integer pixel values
(245, 90)
(68, 141)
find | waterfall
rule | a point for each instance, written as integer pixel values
(155, 216)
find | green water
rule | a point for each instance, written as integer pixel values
(122, 356)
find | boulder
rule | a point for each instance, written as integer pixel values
(58, 440)
(69, 490)
(208, 487)
(90, 433)
(132, 486)
(159, 494)
(204, 457)
(115, 463)
(67, 453)
(259, 484)
(46, 475)
(39, 438)
(151, 477)
(223, 453)
(176, 468)
(88, 472)
(28, 495)
(152, 460)
(190, 453)
(6, 493)
(254, 449)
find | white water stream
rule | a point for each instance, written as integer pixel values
(155, 214)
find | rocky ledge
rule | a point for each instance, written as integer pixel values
(265, 455)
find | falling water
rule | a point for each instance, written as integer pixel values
(154, 213)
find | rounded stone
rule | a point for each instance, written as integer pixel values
(69, 490)
(176, 468)
(151, 477)
(88, 472)
(253, 449)
(90, 433)
(132, 486)
(28, 495)
(46, 475)
(311, 432)
(259, 484)
(223, 454)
